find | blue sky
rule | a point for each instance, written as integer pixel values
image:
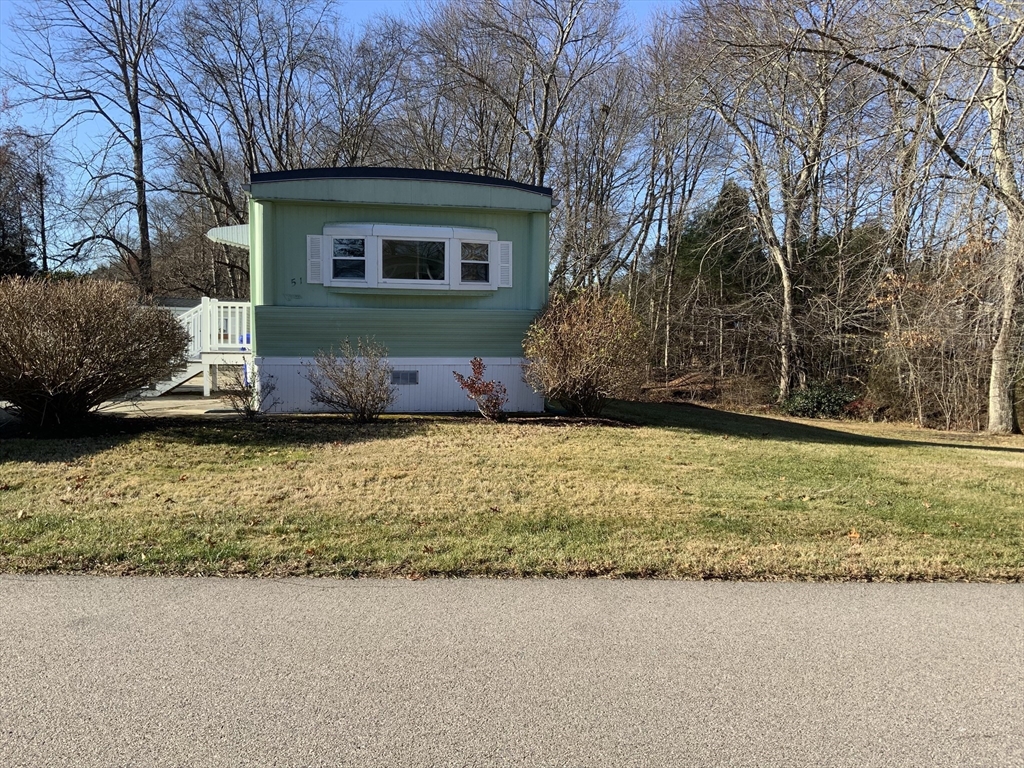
(358, 11)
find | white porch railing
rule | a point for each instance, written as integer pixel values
(221, 327)
(193, 322)
(220, 333)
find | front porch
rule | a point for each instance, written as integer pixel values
(220, 334)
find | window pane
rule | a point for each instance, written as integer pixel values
(475, 272)
(474, 251)
(349, 269)
(413, 259)
(349, 248)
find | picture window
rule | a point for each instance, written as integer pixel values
(412, 259)
(409, 257)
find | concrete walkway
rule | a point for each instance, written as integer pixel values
(196, 672)
(186, 400)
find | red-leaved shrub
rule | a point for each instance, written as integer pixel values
(490, 396)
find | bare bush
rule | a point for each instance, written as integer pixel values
(585, 349)
(250, 393)
(356, 381)
(66, 347)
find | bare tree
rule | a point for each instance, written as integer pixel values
(778, 105)
(201, 180)
(363, 81)
(685, 152)
(529, 56)
(933, 364)
(959, 62)
(256, 66)
(86, 58)
(445, 122)
(600, 171)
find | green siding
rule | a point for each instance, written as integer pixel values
(302, 331)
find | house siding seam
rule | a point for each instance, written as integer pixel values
(466, 333)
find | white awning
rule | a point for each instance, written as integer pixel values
(237, 235)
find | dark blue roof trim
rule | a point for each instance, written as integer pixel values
(394, 173)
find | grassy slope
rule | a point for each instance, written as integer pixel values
(681, 492)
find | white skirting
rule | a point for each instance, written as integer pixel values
(436, 392)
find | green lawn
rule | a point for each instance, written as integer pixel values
(669, 491)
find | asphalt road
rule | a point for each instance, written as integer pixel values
(208, 672)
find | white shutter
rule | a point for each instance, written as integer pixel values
(315, 259)
(504, 263)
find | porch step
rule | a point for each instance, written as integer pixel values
(162, 387)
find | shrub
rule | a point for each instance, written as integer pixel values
(819, 401)
(585, 349)
(745, 391)
(250, 393)
(67, 346)
(863, 408)
(490, 396)
(356, 381)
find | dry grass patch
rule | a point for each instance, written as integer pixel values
(671, 491)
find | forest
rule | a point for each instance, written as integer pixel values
(794, 196)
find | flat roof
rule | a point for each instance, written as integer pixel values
(405, 174)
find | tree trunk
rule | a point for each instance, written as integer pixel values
(142, 209)
(41, 189)
(786, 331)
(1001, 378)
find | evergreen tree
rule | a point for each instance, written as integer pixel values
(17, 240)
